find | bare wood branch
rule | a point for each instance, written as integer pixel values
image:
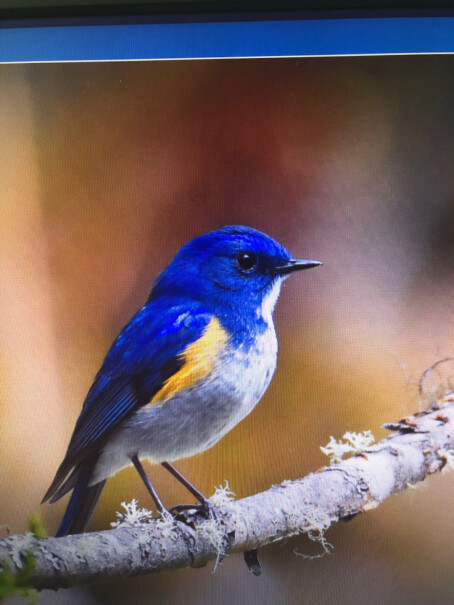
(420, 445)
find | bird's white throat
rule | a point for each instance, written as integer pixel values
(269, 301)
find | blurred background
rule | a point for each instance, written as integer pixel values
(106, 169)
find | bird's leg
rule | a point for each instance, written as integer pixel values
(153, 493)
(182, 479)
(205, 507)
(188, 535)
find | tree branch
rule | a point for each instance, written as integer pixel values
(420, 445)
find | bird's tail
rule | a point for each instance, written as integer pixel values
(81, 503)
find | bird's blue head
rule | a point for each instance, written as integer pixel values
(234, 268)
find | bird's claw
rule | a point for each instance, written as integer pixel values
(191, 513)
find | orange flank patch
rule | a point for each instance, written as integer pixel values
(199, 359)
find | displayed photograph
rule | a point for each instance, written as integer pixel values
(219, 277)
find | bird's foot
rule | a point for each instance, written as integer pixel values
(191, 514)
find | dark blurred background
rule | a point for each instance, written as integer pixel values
(106, 169)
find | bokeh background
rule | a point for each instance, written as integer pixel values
(106, 169)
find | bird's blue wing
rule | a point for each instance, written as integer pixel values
(142, 358)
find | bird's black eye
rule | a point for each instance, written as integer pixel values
(247, 261)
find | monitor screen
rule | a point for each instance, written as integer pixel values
(123, 138)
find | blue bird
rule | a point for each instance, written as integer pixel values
(188, 367)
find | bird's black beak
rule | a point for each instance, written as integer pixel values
(295, 265)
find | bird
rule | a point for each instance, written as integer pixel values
(190, 365)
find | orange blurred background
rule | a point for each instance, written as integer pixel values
(106, 169)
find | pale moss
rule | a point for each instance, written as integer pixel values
(351, 443)
(213, 530)
(167, 526)
(133, 515)
(222, 496)
(316, 522)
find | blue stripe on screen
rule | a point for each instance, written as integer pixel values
(228, 39)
